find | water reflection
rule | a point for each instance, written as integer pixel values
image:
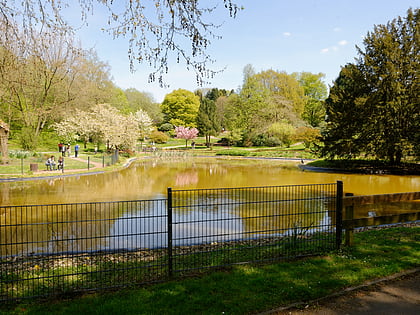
(101, 228)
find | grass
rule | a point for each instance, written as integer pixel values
(247, 289)
(367, 166)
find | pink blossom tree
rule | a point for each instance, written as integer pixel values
(186, 133)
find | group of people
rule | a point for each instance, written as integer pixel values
(51, 164)
(63, 149)
(66, 148)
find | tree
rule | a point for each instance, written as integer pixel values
(343, 135)
(207, 120)
(157, 30)
(36, 78)
(309, 136)
(186, 133)
(288, 98)
(180, 108)
(373, 106)
(144, 124)
(315, 92)
(143, 100)
(283, 131)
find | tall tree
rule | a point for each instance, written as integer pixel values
(315, 92)
(180, 108)
(142, 100)
(38, 78)
(287, 95)
(207, 121)
(383, 91)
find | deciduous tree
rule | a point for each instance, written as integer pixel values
(180, 108)
(186, 133)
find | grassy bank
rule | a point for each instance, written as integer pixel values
(369, 166)
(252, 288)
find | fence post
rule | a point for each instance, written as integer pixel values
(170, 263)
(88, 162)
(339, 214)
(349, 235)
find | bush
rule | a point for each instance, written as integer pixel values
(166, 127)
(158, 137)
(232, 152)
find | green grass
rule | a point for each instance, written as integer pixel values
(247, 289)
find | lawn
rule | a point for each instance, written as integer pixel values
(250, 288)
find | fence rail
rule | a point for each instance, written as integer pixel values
(350, 223)
(56, 249)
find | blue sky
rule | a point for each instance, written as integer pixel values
(284, 35)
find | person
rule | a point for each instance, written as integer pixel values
(60, 165)
(63, 150)
(60, 147)
(50, 163)
(68, 150)
(76, 150)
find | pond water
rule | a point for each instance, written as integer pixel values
(149, 179)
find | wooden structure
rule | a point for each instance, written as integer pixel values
(4, 136)
(350, 223)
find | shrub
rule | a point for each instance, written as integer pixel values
(158, 137)
(232, 152)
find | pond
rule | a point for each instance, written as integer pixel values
(149, 179)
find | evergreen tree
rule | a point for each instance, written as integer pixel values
(373, 107)
(207, 121)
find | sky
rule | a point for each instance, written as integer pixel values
(317, 36)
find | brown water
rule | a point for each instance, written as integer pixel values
(149, 179)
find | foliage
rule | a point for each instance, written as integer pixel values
(308, 136)
(166, 127)
(143, 100)
(36, 78)
(282, 131)
(372, 109)
(315, 94)
(232, 152)
(207, 120)
(106, 124)
(180, 108)
(158, 137)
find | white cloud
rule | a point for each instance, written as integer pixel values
(287, 34)
(325, 50)
(343, 42)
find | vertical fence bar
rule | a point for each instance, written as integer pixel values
(170, 263)
(339, 213)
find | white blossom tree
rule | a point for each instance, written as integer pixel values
(144, 123)
(105, 124)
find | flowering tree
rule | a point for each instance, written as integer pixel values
(186, 133)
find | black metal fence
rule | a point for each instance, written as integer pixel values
(61, 248)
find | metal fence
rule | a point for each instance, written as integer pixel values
(62, 248)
